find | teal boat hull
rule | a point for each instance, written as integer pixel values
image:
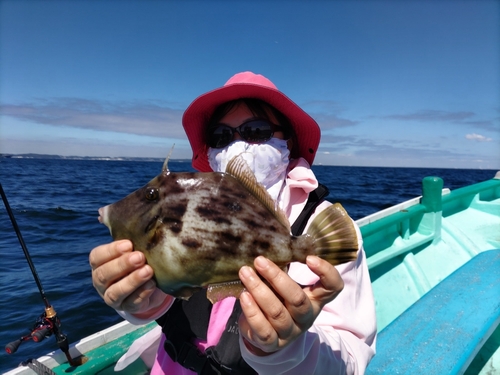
(414, 248)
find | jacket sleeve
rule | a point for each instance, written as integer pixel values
(150, 315)
(342, 338)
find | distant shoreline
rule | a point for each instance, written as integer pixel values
(103, 158)
(161, 160)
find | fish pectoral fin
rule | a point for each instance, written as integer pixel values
(239, 169)
(217, 292)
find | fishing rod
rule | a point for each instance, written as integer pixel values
(48, 322)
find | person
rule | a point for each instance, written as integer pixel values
(313, 318)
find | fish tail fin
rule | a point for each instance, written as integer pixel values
(334, 235)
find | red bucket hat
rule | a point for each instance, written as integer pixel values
(248, 85)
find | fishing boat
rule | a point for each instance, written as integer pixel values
(435, 267)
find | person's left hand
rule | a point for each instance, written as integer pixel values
(275, 315)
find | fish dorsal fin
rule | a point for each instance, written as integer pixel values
(165, 163)
(239, 169)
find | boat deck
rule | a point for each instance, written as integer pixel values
(414, 246)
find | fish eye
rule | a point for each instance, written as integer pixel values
(151, 194)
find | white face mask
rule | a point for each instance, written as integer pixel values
(268, 161)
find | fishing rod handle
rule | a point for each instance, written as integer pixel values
(40, 334)
(12, 347)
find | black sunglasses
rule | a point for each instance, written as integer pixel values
(252, 131)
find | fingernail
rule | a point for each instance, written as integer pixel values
(144, 272)
(312, 261)
(136, 258)
(246, 272)
(123, 246)
(245, 299)
(261, 262)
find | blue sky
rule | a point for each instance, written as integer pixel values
(391, 83)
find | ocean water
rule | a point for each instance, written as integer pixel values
(55, 204)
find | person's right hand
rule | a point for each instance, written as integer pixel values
(123, 279)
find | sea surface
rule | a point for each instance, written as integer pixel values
(55, 204)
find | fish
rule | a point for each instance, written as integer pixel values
(197, 229)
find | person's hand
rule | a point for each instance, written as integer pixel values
(275, 315)
(123, 279)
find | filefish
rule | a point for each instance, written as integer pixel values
(197, 230)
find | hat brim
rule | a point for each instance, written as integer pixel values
(198, 114)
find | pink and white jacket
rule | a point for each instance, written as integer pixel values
(342, 338)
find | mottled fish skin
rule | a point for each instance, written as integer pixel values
(197, 229)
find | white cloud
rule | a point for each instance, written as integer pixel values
(433, 115)
(478, 137)
(142, 118)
